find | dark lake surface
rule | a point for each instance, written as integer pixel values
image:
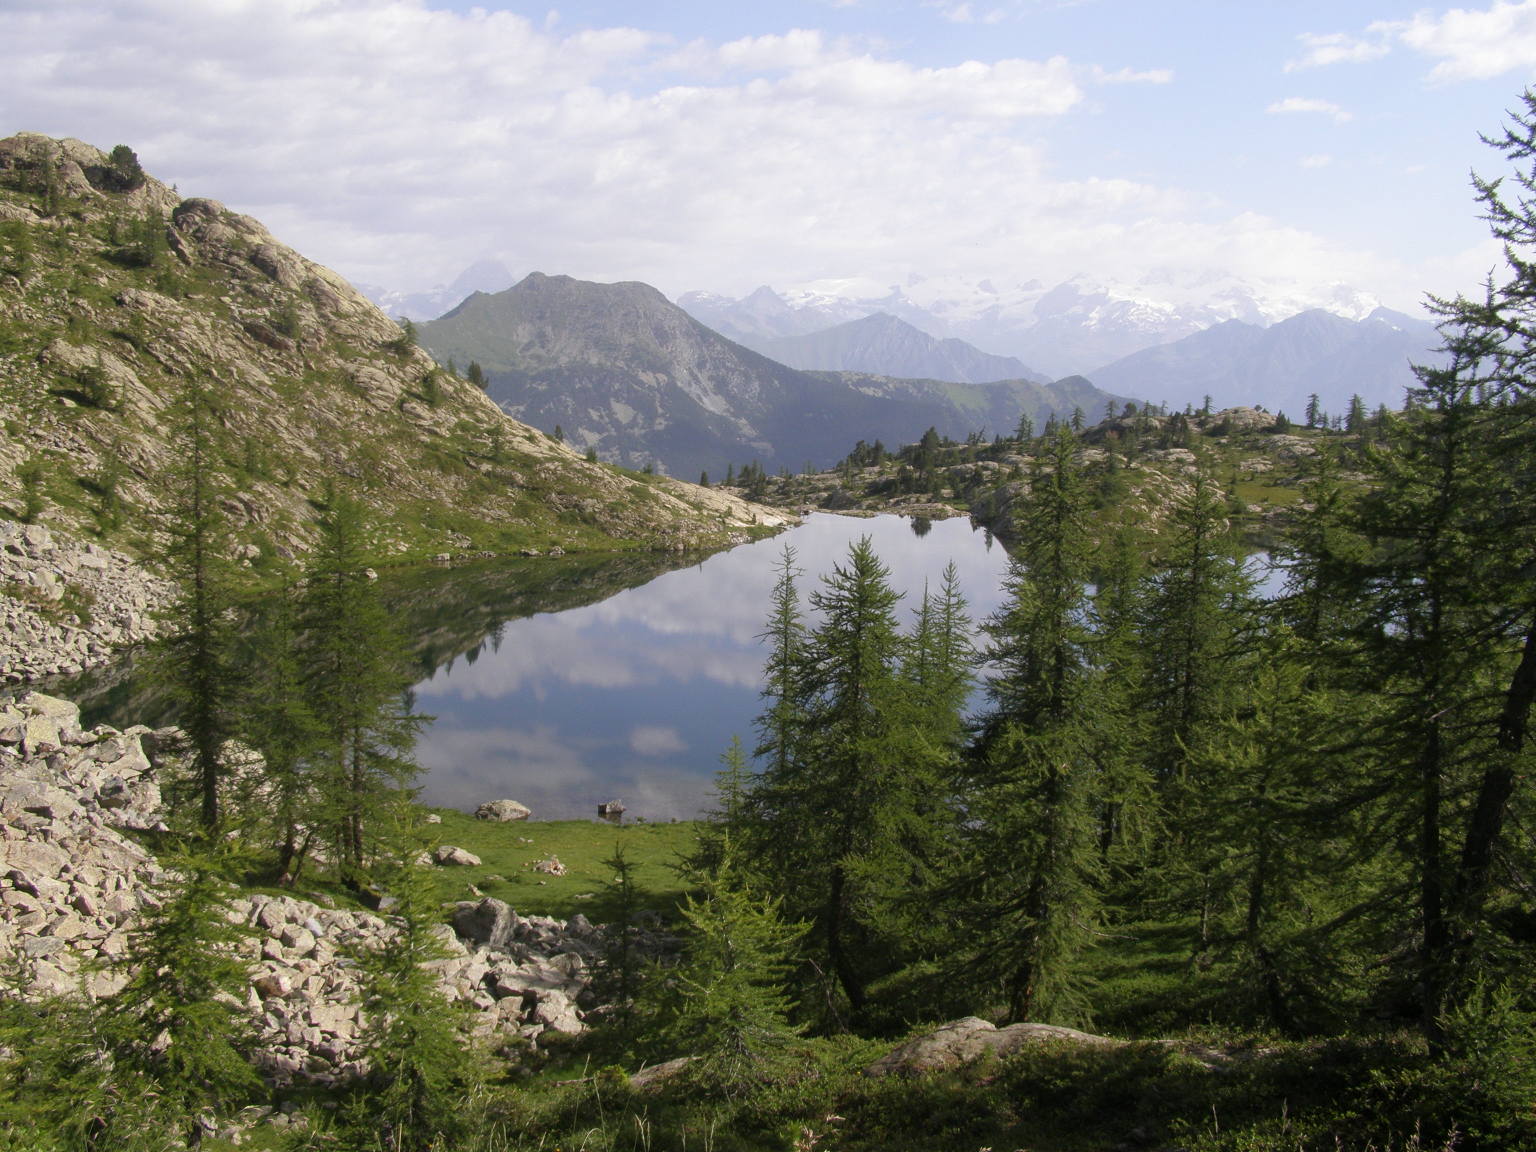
(637, 696)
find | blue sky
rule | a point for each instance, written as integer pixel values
(720, 146)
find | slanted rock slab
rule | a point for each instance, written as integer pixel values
(449, 855)
(971, 1038)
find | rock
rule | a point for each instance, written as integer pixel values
(971, 1038)
(655, 1075)
(550, 866)
(502, 811)
(489, 922)
(449, 855)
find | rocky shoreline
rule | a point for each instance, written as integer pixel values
(65, 605)
(72, 885)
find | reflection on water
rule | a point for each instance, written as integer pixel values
(636, 697)
(565, 684)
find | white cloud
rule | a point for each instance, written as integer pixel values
(398, 143)
(656, 740)
(1317, 160)
(1341, 48)
(1306, 104)
(1470, 43)
(1132, 76)
(1474, 44)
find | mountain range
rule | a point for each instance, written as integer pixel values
(1280, 366)
(623, 371)
(1070, 327)
(886, 345)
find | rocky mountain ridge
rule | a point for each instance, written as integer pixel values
(119, 298)
(619, 369)
(1068, 327)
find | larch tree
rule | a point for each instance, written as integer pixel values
(1036, 863)
(357, 679)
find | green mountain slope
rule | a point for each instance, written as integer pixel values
(117, 295)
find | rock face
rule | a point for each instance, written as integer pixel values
(71, 885)
(64, 604)
(972, 1038)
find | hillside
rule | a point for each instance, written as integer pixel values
(621, 370)
(117, 295)
(889, 346)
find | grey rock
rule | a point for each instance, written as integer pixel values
(502, 811)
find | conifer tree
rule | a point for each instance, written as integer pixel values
(277, 720)
(177, 1031)
(1036, 863)
(733, 1007)
(940, 663)
(356, 676)
(196, 659)
(421, 1065)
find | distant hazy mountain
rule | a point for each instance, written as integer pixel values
(889, 346)
(1068, 327)
(481, 276)
(1280, 366)
(620, 369)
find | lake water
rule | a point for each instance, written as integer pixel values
(636, 697)
(566, 683)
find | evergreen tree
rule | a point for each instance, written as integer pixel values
(196, 658)
(940, 662)
(421, 1065)
(1314, 413)
(1036, 862)
(177, 1030)
(357, 679)
(277, 720)
(733, 1008)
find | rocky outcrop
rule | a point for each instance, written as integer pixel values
(72, 885)
(971, 1038)
(118, 297)
(66, 604)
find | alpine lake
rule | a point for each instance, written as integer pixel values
(564, 683)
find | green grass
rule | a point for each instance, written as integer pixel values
(509, 851)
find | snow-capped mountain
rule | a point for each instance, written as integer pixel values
(1070, 327)
(481, 276)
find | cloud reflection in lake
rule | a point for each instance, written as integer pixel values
(636, 697)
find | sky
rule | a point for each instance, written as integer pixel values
(718, 146)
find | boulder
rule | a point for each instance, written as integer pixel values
(451, 856)
(488, 922)
(502, 811)
(962, 1041)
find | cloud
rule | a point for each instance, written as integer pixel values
(1470, 43)
(1132, 76)
(655, 740)
(1341, 48)
(398, 143)
(1305, 104)
(1473, 44)
(1317, 160)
